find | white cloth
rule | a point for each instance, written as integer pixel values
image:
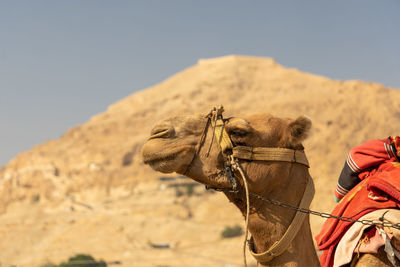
(348, 243)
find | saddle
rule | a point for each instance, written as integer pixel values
(380, 190)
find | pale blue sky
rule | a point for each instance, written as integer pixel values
(62, 62)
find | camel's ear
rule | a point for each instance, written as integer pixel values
(298, 130)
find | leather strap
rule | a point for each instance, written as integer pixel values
(270, 154)
(222, 136)
(280, 246)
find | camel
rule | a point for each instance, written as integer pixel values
(186, 145)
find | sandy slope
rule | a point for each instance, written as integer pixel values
(99, 163)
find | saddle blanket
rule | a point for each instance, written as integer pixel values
(373, 239)
(379, 191)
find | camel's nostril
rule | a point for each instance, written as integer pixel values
(158, 131)
(161, 131)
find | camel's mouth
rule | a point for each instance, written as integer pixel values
(167, 159)
(219, 180)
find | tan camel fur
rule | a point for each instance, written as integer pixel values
(172, 148)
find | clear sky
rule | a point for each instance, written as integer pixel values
(62, 62)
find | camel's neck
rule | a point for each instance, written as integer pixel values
(268, 223)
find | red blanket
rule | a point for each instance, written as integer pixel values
(379, 191)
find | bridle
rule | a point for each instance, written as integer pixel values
(232, 155)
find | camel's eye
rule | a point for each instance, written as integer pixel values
(239, 130)
(239, 133)
(238, 137)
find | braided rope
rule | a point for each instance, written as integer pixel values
(236, 166)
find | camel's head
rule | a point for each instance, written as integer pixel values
(172, 144)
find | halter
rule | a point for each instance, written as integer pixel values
(231, 164)
(215, 118)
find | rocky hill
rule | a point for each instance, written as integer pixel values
(95, 169)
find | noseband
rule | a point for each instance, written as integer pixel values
(215, 119)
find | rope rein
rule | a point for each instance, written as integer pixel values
(212, 118)
(236, 166)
